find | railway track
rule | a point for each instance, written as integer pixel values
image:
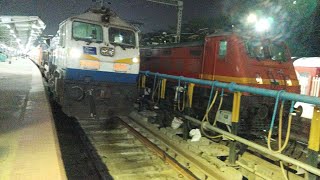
(128, 154)
(130, 147)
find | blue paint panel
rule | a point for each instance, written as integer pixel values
(101, 76)
(89, 50)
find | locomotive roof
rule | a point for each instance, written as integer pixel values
(228, 33)
(188, 44)
(307, 62)
(176, 45)
(96, 16)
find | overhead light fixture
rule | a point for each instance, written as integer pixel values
(263, 24)
(5, 19)
(34, 26)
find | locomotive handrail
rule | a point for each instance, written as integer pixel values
(313, 144)
(242, 88)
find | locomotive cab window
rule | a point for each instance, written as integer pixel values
(122, 37)
(87, 32)
(266, 50)
(222, 49)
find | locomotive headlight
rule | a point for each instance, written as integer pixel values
(259, 79)
(289, 82)
(135, 60)
(107, 51)
(75, 53)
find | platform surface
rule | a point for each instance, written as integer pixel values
(29, 147)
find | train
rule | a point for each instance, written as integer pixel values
(226, 57)
(308, 71)
(92, 64)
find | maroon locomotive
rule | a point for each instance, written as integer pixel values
(228, 57)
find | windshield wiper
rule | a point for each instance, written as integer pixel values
(88, 41)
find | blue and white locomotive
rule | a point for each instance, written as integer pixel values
(94, 64)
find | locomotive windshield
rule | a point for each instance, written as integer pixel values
(262, 51)
(87, 32)
(122, 37)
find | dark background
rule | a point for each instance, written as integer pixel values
(296, 22)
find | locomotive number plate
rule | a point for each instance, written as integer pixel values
(120, 67)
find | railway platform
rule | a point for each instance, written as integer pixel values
(29, 147)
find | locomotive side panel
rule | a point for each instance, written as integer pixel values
(222, 60)
(180, 61)
(231, 59)
(226, 57)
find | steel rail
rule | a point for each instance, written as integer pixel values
(163, 155)
(210, 172)
(258, 147)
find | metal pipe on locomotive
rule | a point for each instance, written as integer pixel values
(94, 64)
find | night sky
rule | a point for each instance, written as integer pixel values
(154, 16)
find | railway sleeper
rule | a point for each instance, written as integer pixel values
(200, 166)
(208, 152)
(164, 175)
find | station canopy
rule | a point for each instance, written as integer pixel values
(19, 32)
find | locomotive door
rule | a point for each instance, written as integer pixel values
(215, 52)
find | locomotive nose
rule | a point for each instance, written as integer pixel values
(277, 78)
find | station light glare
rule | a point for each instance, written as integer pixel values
(41, 25)
(34, 51)
(3, 46)
(252, 18)
(5, 19)
(35, 26)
